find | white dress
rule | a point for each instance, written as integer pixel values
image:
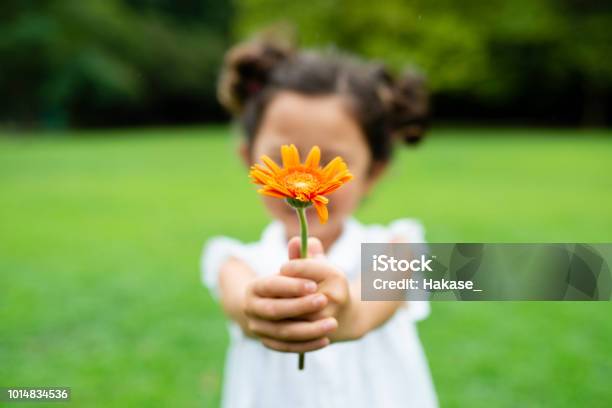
(386, 368)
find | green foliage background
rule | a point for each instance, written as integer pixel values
(460, 44)
(110, 62)
(499, 53)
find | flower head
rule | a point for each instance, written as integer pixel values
(301, 184)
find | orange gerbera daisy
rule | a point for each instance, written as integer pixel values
(301, 184)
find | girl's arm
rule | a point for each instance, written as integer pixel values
(234, 278)
(361, 317)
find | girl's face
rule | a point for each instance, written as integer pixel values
(325, 121)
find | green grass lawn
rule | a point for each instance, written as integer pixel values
(101, 233)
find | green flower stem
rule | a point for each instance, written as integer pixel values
(303, 231)
(301, 211)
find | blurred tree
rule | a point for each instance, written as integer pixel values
(103, 62)
(544, 58)
(115, 62)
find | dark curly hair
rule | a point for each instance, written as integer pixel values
(387, 108)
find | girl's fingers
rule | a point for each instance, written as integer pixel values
(293, 331)
(315, 248)
(279, 309)
(283, 286)
(321, 314)
(313, 269)
(299, 347)
(294, 248)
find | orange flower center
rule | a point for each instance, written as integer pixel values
(301, 182)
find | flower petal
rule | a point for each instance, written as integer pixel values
(290, 155)
(261, 168)
(313, 158)
(271, 164)
(275, 185)
(342, 176)
(333, 167)
(329, 188)
(260, 177)
(346, 177)
(271, 192)
(321, 210)
(323, 200)
(301, 196)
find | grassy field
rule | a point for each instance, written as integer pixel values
(101, 233)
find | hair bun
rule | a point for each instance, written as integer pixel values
(409, 110)
(246, 71)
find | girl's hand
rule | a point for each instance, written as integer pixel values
(271, 306)
(331, 282)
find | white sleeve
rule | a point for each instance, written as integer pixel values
(216, 251)
(407, 230)
(410, 230)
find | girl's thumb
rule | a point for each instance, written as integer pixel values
(315, 248)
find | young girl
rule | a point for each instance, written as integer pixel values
(367, 353)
